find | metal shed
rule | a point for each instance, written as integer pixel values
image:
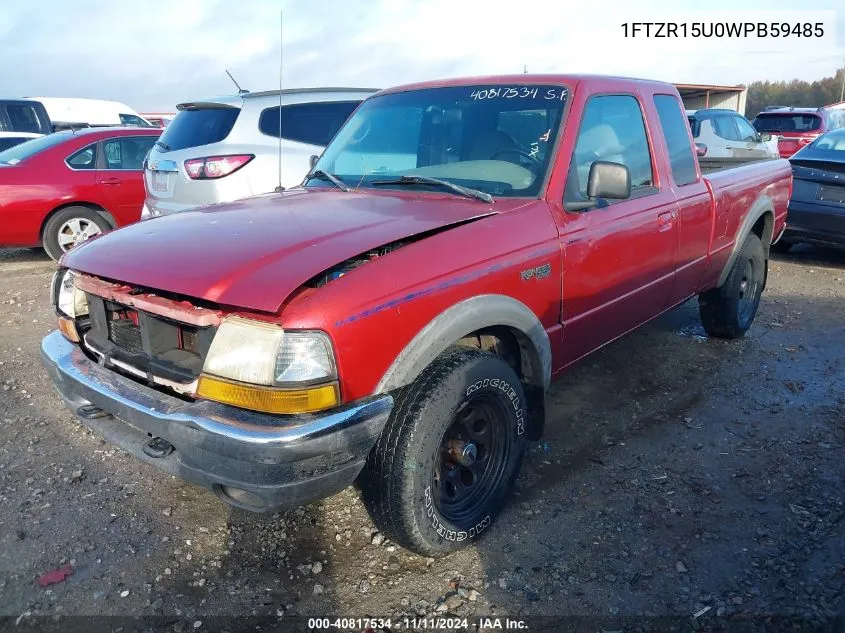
(700, 96)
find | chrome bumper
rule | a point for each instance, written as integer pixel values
(283, 460)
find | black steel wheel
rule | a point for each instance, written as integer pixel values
(449, 453)
(472, 458)
(729, 310)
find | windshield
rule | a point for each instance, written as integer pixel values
(18, 153)
(787, 122)
(497, 139)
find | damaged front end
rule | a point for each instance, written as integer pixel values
(157, 340)
(132, 364)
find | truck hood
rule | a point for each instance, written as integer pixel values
(254, 253)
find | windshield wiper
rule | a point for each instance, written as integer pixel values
(426, 180)
(324, 175)
(163, 146)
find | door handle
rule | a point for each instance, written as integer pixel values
(110, 181)
(665, 219)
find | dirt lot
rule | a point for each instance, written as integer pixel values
(678, 476)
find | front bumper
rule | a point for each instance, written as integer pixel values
(250, 460)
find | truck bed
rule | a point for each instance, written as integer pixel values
(720, 164)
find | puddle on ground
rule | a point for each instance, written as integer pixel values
(694, 331)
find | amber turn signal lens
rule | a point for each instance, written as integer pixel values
(268, 400)
(68, 328)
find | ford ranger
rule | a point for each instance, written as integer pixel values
(396, 320)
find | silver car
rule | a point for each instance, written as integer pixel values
(227, 148)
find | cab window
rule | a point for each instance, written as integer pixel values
(612, 129)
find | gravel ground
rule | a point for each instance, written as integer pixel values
(678, 476)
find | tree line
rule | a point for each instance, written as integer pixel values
(797, 93)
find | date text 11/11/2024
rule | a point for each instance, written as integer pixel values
(416, 624)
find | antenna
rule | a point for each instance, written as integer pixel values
(241, 91)
(525, 69)
(280, 188)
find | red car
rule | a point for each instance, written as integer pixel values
(398, 319)
(798, 127)
(58, 190)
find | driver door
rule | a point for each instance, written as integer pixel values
(619, 256)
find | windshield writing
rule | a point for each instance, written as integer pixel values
(495, 139)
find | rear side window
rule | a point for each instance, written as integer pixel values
(677, 140)
(192, 128)
(311, 123)
(24, 118)
(695, 125)
(724, 128)
(612, 129)
(86, 158)
(787, 122)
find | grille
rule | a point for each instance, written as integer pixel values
(126, 335)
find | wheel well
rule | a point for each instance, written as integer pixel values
(764, 228)
(88, 205)
(519, 352)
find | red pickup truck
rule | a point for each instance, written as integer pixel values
(397, 319)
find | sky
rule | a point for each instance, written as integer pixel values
(154, 54)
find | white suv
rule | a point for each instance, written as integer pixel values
(227, 148)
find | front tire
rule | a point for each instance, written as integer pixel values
(728, 311)
(449, 454)
(70, 227)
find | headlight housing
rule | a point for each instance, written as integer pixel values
(259, 366)
(68, 300)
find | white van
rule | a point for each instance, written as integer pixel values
(65, 112)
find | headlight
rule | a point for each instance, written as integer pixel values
(67, 299)
(259, 366)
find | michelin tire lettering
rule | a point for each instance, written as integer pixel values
(443, 531)
(509, 391)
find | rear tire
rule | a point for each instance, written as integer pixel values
(70, 227)
(728, 311)
(449, 454)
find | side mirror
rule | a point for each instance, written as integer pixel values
(700, 149)
(765, 137)
(606, 180)
(313, 160)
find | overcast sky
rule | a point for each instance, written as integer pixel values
(154, 54)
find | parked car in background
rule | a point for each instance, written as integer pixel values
(161, 120)
(22, 115)
(10, 139)
(278, 348)
(226, 148)
(66, 113)
(58, 190)
(797, 127)
(726, 135)
(817, 205)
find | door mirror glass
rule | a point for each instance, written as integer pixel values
(765, 137)
(606, 180)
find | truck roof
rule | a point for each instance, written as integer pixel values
(572, 81)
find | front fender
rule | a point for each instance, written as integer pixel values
(458, 321)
